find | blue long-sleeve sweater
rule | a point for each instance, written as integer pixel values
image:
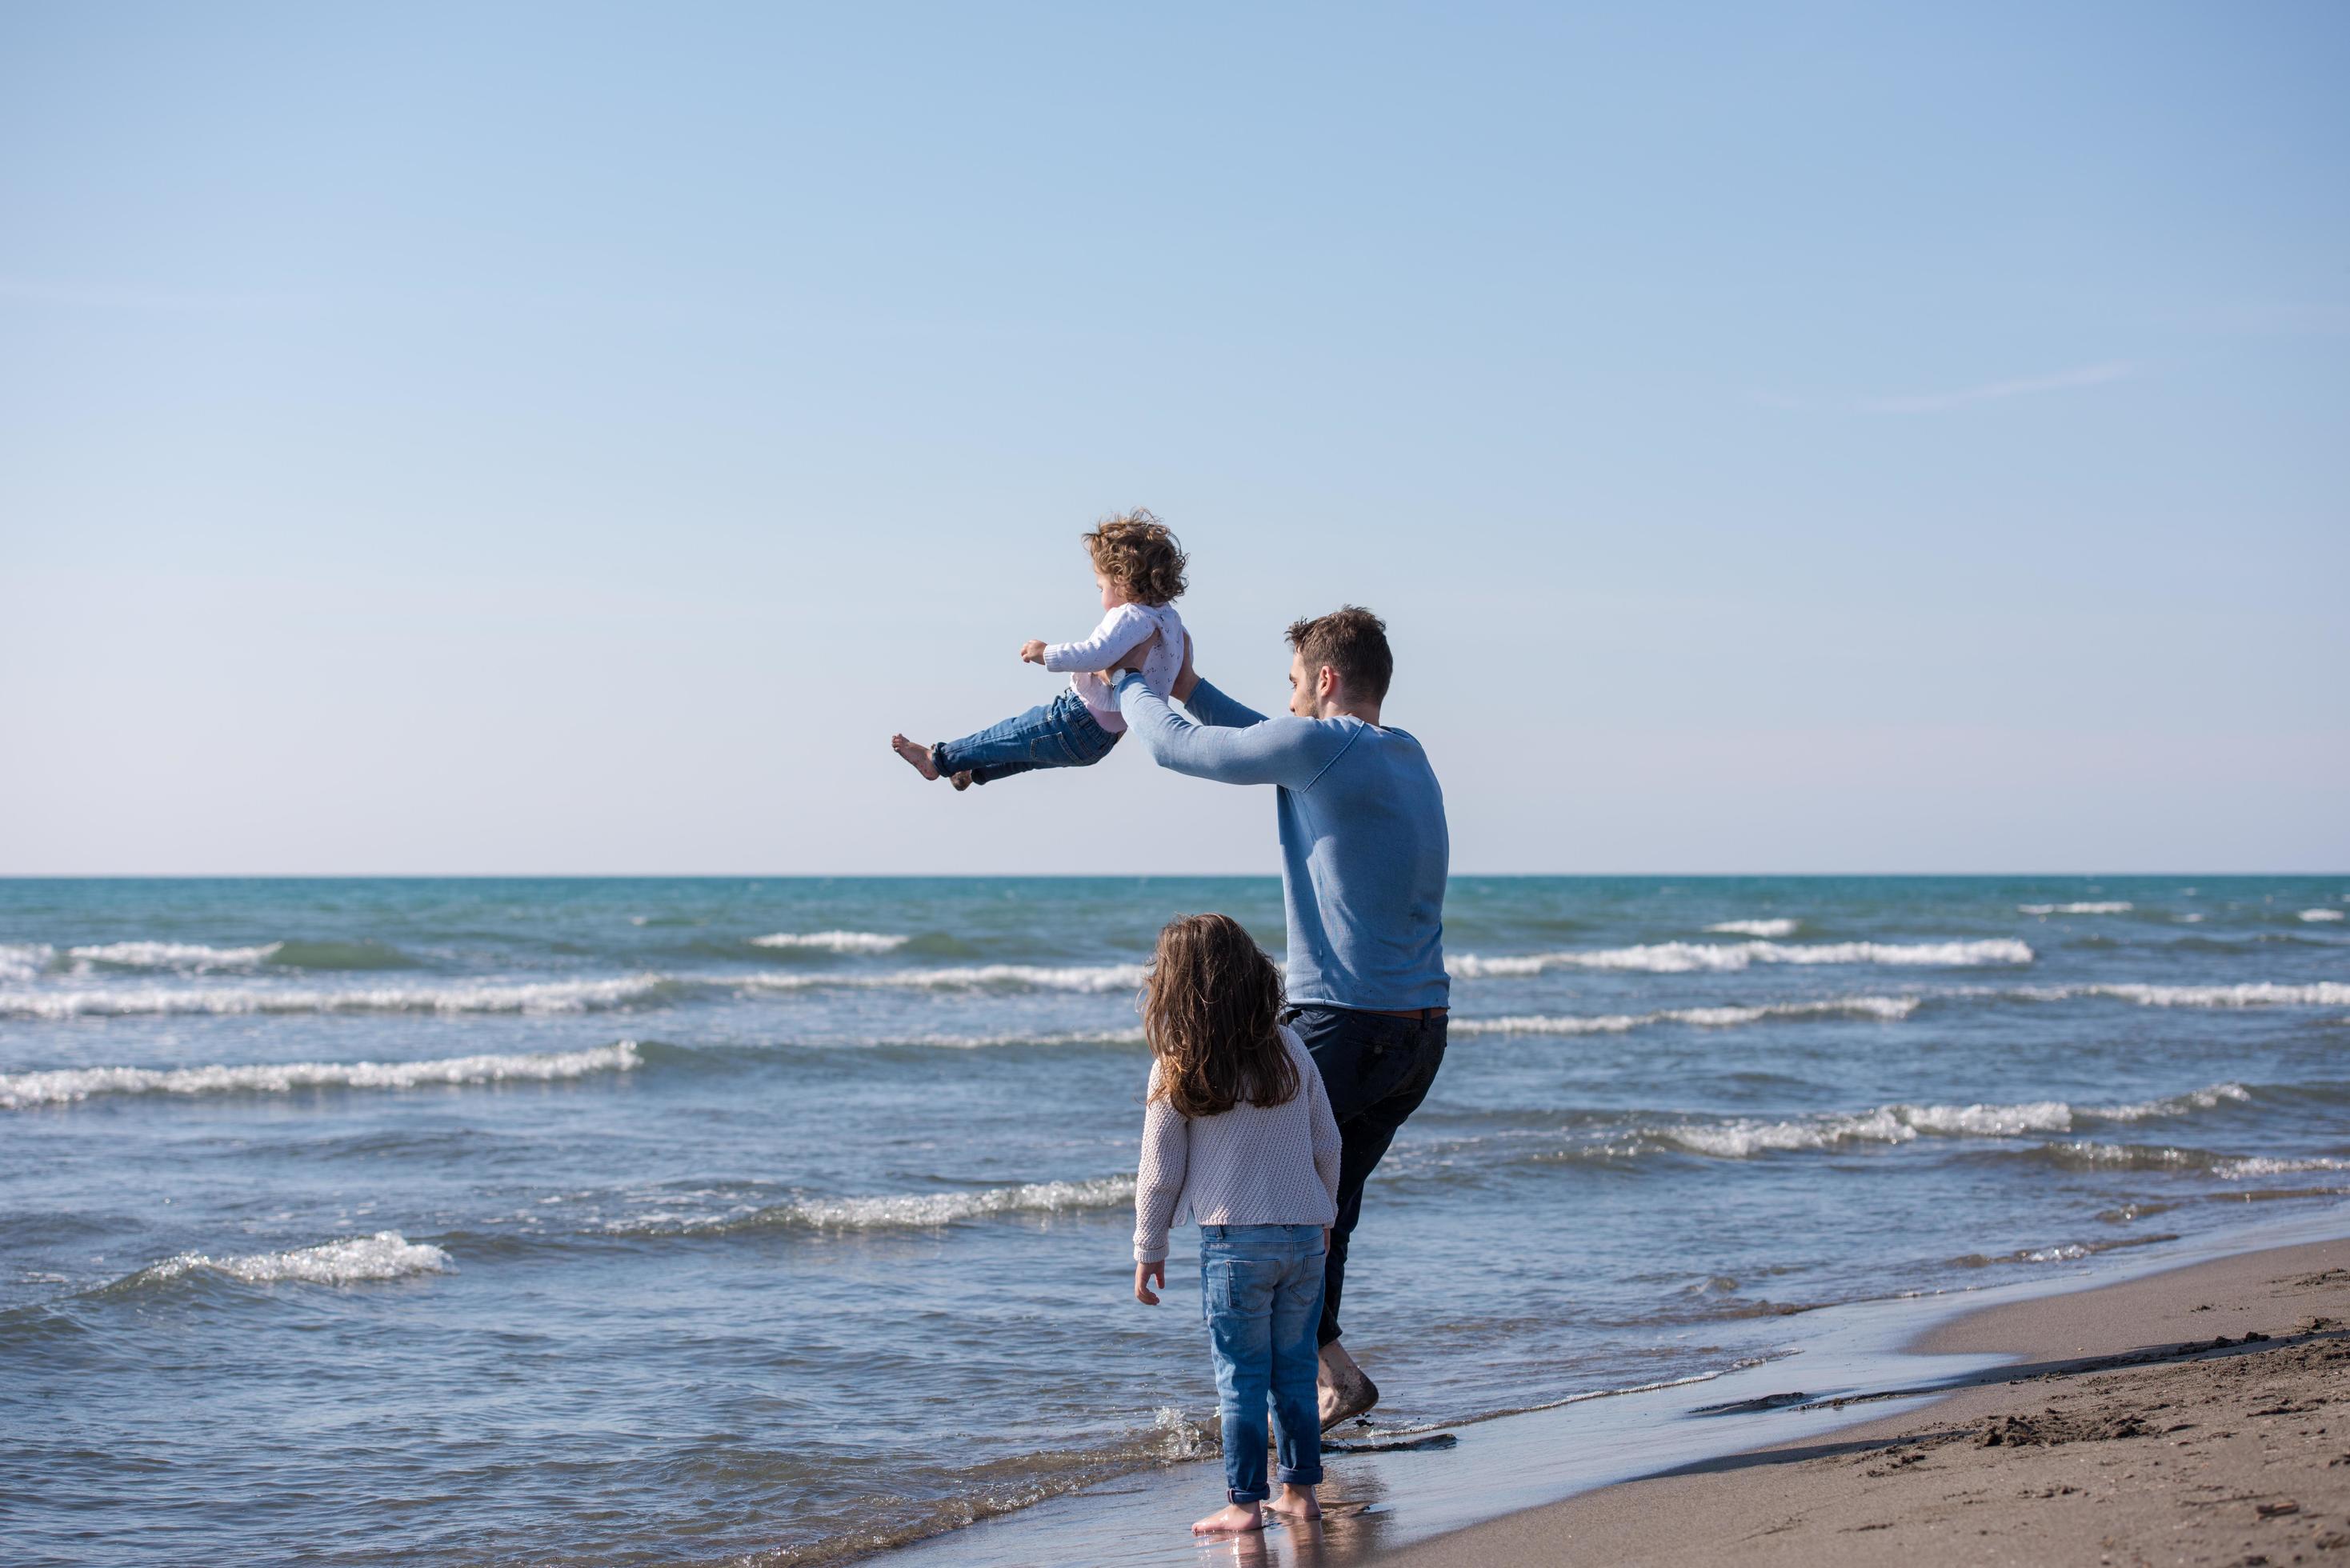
(1364, 849)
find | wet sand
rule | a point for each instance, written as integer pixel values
(2201, 1415)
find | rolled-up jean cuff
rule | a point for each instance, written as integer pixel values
(1288, 1477)
(1232, 1496)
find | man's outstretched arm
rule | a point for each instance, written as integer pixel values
(1210, 706)
(1289, 751)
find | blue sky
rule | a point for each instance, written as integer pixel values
(571, 438)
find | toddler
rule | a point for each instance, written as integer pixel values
(1237, 1132)
(1138, 568)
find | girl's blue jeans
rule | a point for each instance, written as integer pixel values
(1261, 1291)
(1062, 734)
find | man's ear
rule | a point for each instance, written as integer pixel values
(1325, 680)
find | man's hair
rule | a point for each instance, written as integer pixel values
(1135, 551)
(1353, 641)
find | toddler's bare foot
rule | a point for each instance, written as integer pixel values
(919, 756)
(1233, 1518)
(1294, 1503)
(963, 780)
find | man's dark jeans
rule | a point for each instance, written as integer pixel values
(1377, 1069)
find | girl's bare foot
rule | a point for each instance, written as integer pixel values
(920, 756)
(1294, 1503)
(1233, 1518)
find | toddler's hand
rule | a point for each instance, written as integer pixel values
(1033, 650)
(1143, 1274)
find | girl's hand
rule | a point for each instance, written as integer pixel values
(1143, 1274)
(1032, 651)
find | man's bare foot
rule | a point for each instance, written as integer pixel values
(1294, 1503)
(1233, 1518)
(963, 780)
(920, 756)
(1344, 1390)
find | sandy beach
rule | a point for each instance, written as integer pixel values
(2199, 1415)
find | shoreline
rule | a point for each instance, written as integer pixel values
(2197, 1413)
(1638, 1475)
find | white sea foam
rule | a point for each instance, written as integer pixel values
(2173, 1106)
(1889, 1008)
(386, 1255)
(987, 1042)
(20, 1091)
(193, 956)
(1896, 1123)
(1680, 958)
(2315, 915)
(2239, 1170)
(979, 976)
(23, 961)
(2110, 907)
(535, 996)
(1779, 928)
(2251, 993)
(903, 1210)
(832, 941)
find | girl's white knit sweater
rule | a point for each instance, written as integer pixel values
(1252, 1164)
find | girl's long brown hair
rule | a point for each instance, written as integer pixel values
(1211, 1012)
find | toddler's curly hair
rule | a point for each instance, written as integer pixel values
(1136, 551)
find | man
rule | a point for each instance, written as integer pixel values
(1364, 855)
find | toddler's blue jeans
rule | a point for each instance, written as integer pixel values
(1261, 1291)
(1062, 734)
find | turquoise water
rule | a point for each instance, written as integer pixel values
(626, 1221)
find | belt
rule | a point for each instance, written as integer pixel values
(1422, 1013)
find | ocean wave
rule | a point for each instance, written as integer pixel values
(386, 1255)
(1133, 1037)
(1778, 928)
(1744, 1138)
(2109, 908)
(2174, 1105)
(897, 1211)
(534, 996)
(189, 956)
(1680, 958)
(2315, 915)
(2239, 1170)
(20, 1091)
(2249, 993)
(1888, 1007)
(1095, 978)
(832, 941)
(1896, 1123)
(2064, 1253)
(24, 960)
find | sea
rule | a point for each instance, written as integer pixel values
(781, 1221)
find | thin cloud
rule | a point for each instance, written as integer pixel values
(2025, 387)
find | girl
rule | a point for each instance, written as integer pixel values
(1237, 1132)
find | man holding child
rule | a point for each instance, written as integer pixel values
(1364, 859)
